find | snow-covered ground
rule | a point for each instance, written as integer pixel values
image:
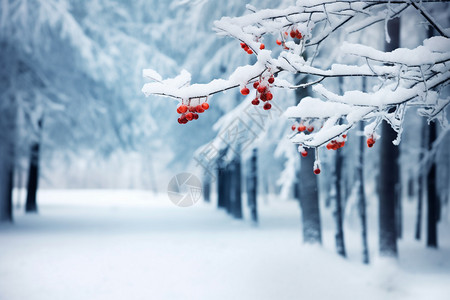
(134, 245)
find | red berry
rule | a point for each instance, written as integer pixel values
(298, 34)
(317, 171)
(243, 45)
(263, 97)
(278, 42)
(370, 142)
(310, 128)
(195, 116)
(271, 80)
(267, 106)
(262, 46)
(269, 96)
(199, 109)
(304, 153)
(255, 101)
(344, 136)
(178, 110)
(249, 51)
(245, 91)
(329, 146)
(179, 121)
(183, 108)
(301, 128)
(189, 116)
(293, 127)
(293, 34)
(255, 84)
(205, 105)
(261, 89)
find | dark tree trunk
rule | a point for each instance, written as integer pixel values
(418, 232)
(338, 180)
(207, 188)
(308, 190)
(389, 171)
(236, 188)
(339, 236)
(7, 136)
(6, 185)
(362, 197)
(252, 185)
(433, 199)
(361, 193)
(220, 187)
(309, 202)
(420, 183)
(227, 188)
(221, 180)
(33, 178)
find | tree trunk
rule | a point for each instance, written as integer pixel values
(221, 180)
(421, 182)
(33, 178)
(7, 138)
(252, 185)
(362, 196)
(338, 178)
(308, 190)
(309, 202)
(236, 196)
(207, 188)
(389, 171)
(339, 236)
(433, 198)
(6, 189)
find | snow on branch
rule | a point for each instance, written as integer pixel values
(409, 77)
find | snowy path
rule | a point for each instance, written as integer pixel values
(130, 245)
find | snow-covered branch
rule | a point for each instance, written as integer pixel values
(408, 76)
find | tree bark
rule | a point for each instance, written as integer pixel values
(309, 202)
(308, 190)
(339, 236)
(389, 170)
(236, 188)
(7, 158)
(420, 183)
(207, 188)
(221, 180)
(252, 185)
(33, 179)
(338, 178)
(362, 197)
(433, 198)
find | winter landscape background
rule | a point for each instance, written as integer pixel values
(76, 129)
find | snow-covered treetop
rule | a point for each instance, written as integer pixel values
(408, 77)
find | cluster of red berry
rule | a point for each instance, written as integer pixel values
(302, 127)
(250, 51)
(336, 144)
(370, 141)
(294, 33)
(190, 112)
(262, 91)
(246, 48)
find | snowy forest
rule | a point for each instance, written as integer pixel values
(201, 149)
